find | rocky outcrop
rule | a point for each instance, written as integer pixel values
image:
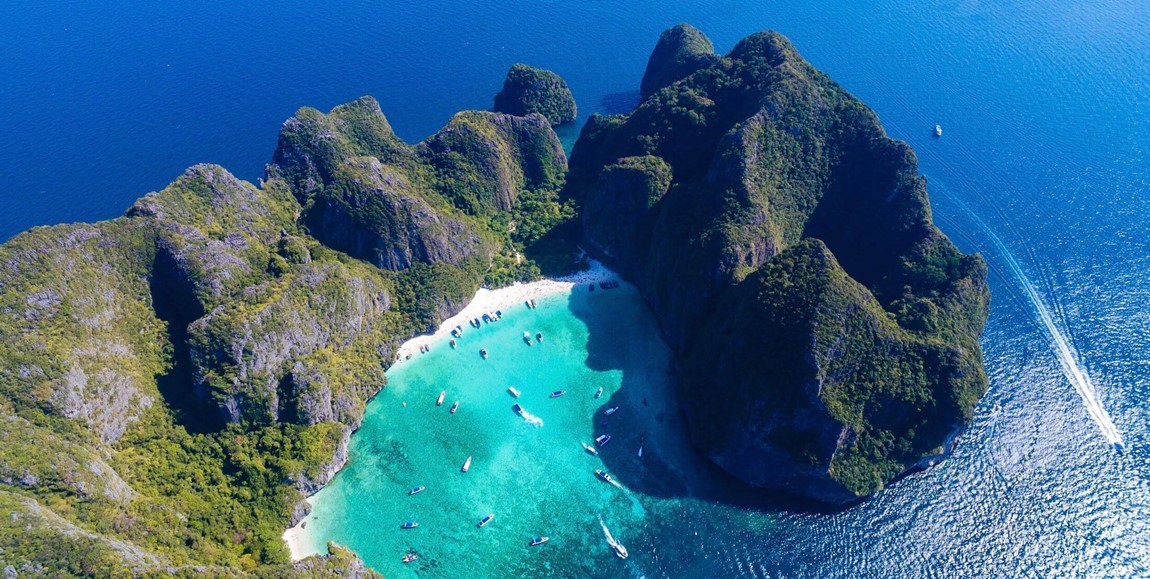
(528, 90)
(366, 193)
(681, 51)
(827, 330)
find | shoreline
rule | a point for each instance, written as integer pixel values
(485, 300)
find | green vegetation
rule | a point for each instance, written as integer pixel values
(175, 381)
(828, 329)
(528, 90)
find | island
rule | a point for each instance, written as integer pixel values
(176, 381)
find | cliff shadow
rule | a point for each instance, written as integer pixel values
(174, 303)
(617, 103)
(648, 414)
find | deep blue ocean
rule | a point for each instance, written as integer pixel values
(1044, 167)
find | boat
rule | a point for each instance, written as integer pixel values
(409, 525)
(513, 391)
(588, 447)
(410, 557)
(599, 392)
(533, 304)
(602, 439)
(467, 464)
(442, 395)
(620, 550)
(527, 338)
(453, 343)
(538, 541)
(558, 393)
(640, 451)
(528, 303)
(483, 352)
(603, 475)
(483, 522)
(539, 337)
(416, 490)
(517, 408)
(610, 411)
(455, 407)
(938, 130)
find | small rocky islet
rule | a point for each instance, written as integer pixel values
(175, 381)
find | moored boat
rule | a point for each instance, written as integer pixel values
(416, 490)
(603, 475)
(410, 557)
(513, 391)
(483, 352)
(442, 395)
(453, 343)
(466, 464)
(517, 408)
(602, 439)
(599, 392)
(483, 522)
(588, 447)
(527, 338)
(409, 525)
(539, 337)
(558, 393)
(538, 541)
(455, 407)
(610, 411)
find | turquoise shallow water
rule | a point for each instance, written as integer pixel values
(1046, 110)
(537, 480)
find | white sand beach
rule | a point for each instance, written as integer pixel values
(485, 301)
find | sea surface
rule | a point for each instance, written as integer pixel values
(1044, 167)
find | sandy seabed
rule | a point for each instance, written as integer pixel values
(484, 301)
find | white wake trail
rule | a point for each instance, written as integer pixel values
(1066, 354)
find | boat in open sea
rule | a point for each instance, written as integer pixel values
(483, 352)
(483, 522)
(416, 490)
(455, 407)
(538, 541)
(539, 337)
(610, 411)
(466, 465)
(938, 131)
(588, 447)
(599, 393)
(527, 338)
(558, 393)
(442, 395)
(408, 558)
(602, 439)
(409, 525)
(513, 391)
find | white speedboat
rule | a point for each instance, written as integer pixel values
(442, 395)
(610, 411)
(513, 391)
(938, 130)
(467, 464)
(588, 447)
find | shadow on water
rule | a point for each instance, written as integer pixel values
(617, 103)
(649, 417)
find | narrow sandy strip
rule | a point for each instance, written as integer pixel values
(485, 301)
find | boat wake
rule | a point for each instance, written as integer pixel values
(1067, 356)
(619, 549)
(531, 418)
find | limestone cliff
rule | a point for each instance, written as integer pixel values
(827, 330)
(528, 90)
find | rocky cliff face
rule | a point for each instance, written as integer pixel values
(528, 90)
(827, 330)
(175, 380)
